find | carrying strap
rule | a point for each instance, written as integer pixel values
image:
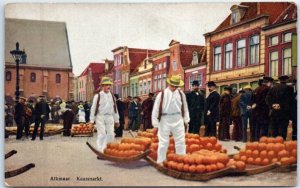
(98, 100)
(161, 103)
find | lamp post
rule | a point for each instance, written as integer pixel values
(17, 55)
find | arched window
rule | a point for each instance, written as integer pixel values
(32, 77)
(58, 77)
(8, 76)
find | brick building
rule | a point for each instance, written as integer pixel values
(280, 52)
(89, 80)
(48, 67)
(236, 48)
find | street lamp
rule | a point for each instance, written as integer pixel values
(17, 55)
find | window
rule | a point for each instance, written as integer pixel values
(274, 64)
(159, 66)
(32, 77)
(287, 37)
(141, 88)
(155, 67)
(149, 86)
(234, 17)
(159, 82)
(164, 81)
(57, 78)
(273, 40)
(136, 89)
(174, 65)
(164, 64)
(132, 89)
(217, 58)
(254, 50)
(145, 87)
(287, 61)
(8, 76)
(241, 53)
(191, 80)
(228, 56)
(195, 58)
(199, 78)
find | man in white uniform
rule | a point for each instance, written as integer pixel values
(170, 116)
(104, 114)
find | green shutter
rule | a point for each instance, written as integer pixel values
(294, 50)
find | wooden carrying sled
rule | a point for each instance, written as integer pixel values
(189, 176)
(118, 159)
(18, 171)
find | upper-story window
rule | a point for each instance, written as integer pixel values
(191, 80)
(228, 56)
(57, 78)
(32, 77)
(195, 58)
(8, 76)
(287, 37)
(217, 58)
(155, 67)
(164, 81)
(254, 50)
(159, 66)
(199, 78)
(164, 64)
(241, 53)
(174, 65)
(287, 61)
(273, 40)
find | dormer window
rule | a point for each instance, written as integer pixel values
(237, 13)
(195, 58)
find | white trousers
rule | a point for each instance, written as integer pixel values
(165, 127)
(105, 131)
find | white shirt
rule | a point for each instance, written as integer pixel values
(106, 106)
(171, 105)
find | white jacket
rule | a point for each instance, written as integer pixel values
(171, 105)
(106, 107)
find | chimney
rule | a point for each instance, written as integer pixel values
(258, 8)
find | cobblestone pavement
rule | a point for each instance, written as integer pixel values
(69, 157)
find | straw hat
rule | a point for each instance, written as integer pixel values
(247, 87)
(175, 81)
(106, 81)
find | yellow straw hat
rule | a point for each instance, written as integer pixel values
(247, 87)
(106, 81)
(175, 81)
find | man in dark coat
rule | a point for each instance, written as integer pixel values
(87, 110)
(293, 113)
(20, 110)
(121, 109)
(211, 110)
(28, 117)
(195, 100)
(260, 109)
(67, 117)
(279, 100)
(133, 114)
(245, 107)
(237, 133)
(146, 109)
(225, 110)
(41, 116)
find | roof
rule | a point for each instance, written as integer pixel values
(46, 43)
(186, 53)
(290, 13)
(136, 56)
(95, 67)
(255, 10)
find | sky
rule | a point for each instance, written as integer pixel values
(95, 29)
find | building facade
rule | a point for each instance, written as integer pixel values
(236, 48)
(48, 67)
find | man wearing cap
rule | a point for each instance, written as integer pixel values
(279, 100)
(20, 113)
(246, 108)
(146, 109)
(195, 100)
(211, 110)
(41, 111)
(225, 110)
(170, 115)
(260, 109)
(104, 114)
(121, 111)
